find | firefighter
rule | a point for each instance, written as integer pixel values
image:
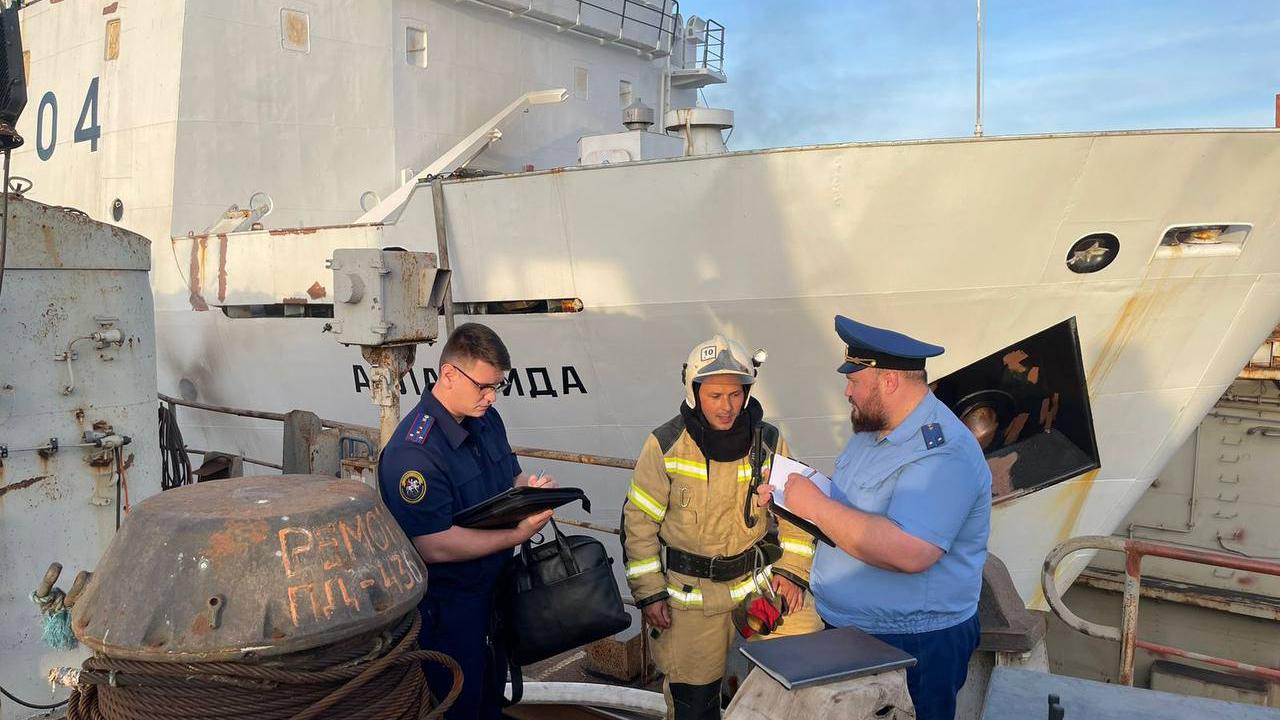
(692, 492)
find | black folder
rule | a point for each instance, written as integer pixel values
(825, 656)
(801, 523)
(508, 508)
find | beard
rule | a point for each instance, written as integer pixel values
(869, 417)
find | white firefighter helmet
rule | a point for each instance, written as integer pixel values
(718, 356)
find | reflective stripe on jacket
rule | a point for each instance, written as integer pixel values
(679, 498)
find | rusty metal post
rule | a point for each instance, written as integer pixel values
(50, 579)
(301, 430)
(77, 588)
(1129, 613)
(388, 365)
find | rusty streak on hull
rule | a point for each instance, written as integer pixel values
(21, 484)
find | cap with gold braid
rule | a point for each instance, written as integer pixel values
(872, 347)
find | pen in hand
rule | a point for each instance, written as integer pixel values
(540, 479)
(807, 474)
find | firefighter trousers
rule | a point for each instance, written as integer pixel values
(693, 650)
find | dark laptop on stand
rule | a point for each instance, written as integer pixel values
(825, 656)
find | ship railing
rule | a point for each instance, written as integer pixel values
(1127, 634)
(645, 19)
(709, 52)
(646, 27)
(538, 453)
(173, 402)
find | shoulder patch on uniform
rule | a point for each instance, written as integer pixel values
(933, 436)
(413, 487)
(668, 432)
(420, 429)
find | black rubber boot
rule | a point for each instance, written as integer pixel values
(696, 702)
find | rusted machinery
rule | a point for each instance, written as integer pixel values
(270, 597)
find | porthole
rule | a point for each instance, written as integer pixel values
(1092, 253)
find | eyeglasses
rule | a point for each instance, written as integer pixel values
(500, 386)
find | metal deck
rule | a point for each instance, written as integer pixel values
(1021, 695)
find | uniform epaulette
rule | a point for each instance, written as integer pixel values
(420, 429)
(933, 436)
(668, 432)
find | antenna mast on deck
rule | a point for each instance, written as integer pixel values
(977, 125)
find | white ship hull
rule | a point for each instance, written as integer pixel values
(962, 243)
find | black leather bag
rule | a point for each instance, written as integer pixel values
(554, 597)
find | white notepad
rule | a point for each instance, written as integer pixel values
(781, 468)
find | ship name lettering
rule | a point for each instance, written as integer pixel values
(538, 380)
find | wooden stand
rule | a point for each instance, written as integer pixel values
(865, 698)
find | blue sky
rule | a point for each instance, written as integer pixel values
(808, 71)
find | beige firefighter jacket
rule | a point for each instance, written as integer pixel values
(680, 499)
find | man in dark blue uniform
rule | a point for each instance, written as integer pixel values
(449, 453)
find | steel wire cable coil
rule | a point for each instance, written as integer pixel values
(344, 681)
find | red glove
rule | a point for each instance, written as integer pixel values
(760, 616)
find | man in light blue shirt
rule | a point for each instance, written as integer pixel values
(910, 513)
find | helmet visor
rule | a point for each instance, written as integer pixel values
(725, 364)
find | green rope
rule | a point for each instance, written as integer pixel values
(55, 630)
(55, 625)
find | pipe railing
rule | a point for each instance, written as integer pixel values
(251, 461)
(241, 412)
(539, 453)
(1127, 633)
(573, 457)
